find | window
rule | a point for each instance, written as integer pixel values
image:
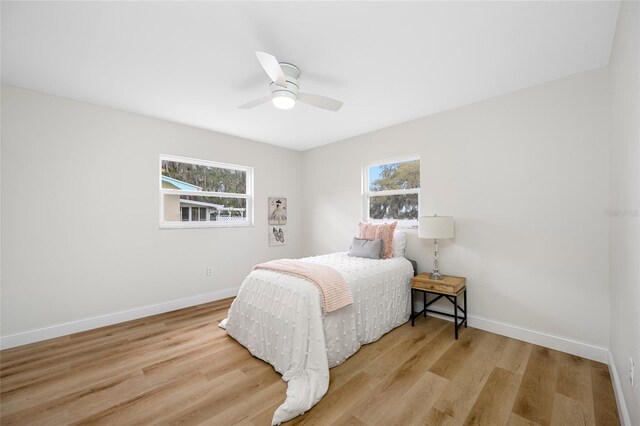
(200, 193)
(392, 190)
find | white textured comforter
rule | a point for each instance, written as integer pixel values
(279, 318)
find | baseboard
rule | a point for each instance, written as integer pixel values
(583, 349)
(623, 413)
(45, 333)
(548, 340)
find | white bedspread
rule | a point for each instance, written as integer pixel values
(278, 317)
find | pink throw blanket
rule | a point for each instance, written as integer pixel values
(334, 291)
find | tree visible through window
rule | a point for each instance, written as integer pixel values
(205, 192)
(392, 190)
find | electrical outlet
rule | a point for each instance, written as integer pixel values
(631, 371)
(209, 271)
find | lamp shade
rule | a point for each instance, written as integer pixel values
(436, 227)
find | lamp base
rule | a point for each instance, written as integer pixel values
(435, 275)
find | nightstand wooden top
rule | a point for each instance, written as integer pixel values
(449, 284)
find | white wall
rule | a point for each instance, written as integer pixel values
(80, 234)
(526, 177)
(624, 223)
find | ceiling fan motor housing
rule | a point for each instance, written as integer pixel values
(291, 74)
(285, 87)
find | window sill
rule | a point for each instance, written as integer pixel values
(200, 225)
(407, 226)
(402, 224)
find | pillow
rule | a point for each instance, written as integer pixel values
(399, 244)
(380, 231)
(366, 248)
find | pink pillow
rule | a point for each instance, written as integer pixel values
(380, 231)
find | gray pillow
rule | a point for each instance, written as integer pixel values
(366, 248)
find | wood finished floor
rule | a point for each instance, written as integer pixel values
(180, 368)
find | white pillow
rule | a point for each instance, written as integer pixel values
(399, 244)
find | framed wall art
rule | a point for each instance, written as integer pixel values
(277, 221)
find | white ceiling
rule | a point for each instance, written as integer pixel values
(389, 62)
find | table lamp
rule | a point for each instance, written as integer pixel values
(435, 227)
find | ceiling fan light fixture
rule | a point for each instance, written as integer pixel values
(285, 87)
(283, 100)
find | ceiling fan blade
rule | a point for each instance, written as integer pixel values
(320, 101)
(272, 68)
(256, 102)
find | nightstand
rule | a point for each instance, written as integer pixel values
(449, 287)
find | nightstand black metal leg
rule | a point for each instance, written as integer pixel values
(455, 315)
(466, 310)
(413, 318)
(424, 303)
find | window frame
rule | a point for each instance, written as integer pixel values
(248, 195)
(367, 193)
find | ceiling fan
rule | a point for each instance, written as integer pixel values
(285, 85)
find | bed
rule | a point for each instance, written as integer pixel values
(278, 317)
